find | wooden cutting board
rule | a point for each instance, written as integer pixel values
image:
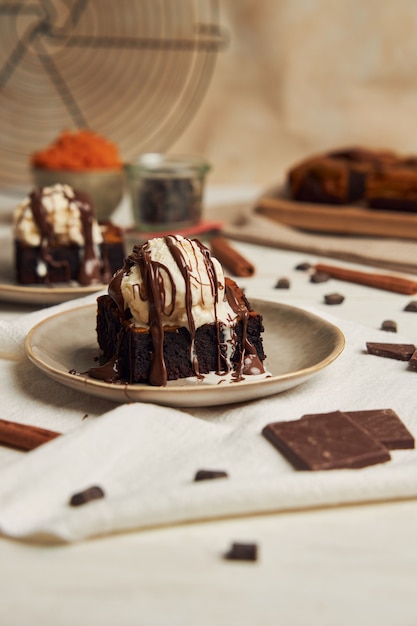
(347, 220)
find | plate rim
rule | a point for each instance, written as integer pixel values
(49, 290)
(88, 384)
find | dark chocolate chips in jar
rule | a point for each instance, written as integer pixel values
(169, 200)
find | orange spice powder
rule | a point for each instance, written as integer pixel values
(78, 151)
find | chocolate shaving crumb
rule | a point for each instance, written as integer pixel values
(411, 306)
(210, 474)
(242, 552)
(389, 325)
(334, 298)
(282, 283)
(319, 277)
(82, 497)
(399, 351)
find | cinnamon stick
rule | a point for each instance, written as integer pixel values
(388, 282)
(23, 436)
(230, 258)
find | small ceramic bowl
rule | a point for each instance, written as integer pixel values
(104, 186)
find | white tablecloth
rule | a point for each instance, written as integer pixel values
(308, 558)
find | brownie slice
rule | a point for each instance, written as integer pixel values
(326, 180)
(132, 346)
(393, 189)
(65, 261)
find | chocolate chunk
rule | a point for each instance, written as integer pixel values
(413, 361)
(399, 351)
(210, 474)
(242, 552)
(319, 277)
(325, 441)
(282, 283)
(389, 325)
(385, 426)
(82, 497)
(334, 298)
(411, 306)
(303, 267)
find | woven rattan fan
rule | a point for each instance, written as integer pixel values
(134, 71)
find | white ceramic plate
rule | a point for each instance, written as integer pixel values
(298, 345)
(44, 295)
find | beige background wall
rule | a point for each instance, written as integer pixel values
(305, 75)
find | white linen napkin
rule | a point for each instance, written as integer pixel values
(145, 457)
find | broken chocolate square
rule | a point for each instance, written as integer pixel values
(82, 497)
(385, 426)
(209, 474)
(413, 361)
(242, 552)
(399, 351)
(325, 441)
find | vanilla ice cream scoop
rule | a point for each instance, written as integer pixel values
(175, 281)
(56, 212)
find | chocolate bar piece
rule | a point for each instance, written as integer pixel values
(209, 474)
(413, 361)
(242, 552)
(399, 351)
(385, 426)
(82, 497)
(325, 441)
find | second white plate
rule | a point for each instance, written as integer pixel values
(43, 295)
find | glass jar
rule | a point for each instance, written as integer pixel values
(166, 191)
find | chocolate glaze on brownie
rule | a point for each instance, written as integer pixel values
(89, 271)
(64, 263)
(159, 353)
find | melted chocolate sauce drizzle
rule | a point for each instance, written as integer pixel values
(249, 361)
(90, 270)
(154, 293)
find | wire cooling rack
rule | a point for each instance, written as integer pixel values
(134, 71)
